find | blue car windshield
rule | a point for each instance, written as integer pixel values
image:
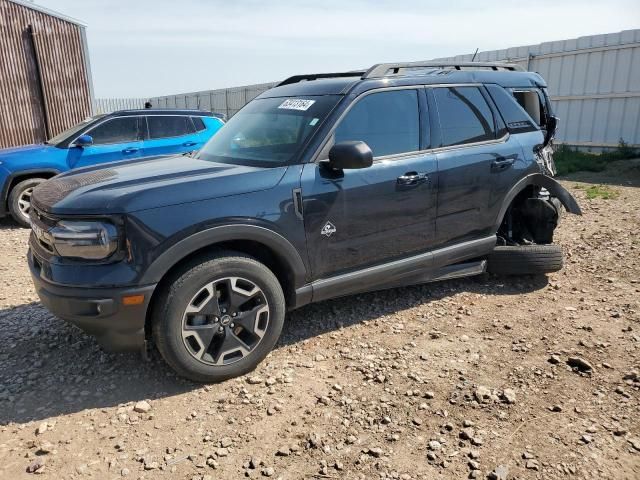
(268, 132)
(69, 132)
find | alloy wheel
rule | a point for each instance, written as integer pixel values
(225, 321)
(24, 201)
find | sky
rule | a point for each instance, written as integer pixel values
(146, 48)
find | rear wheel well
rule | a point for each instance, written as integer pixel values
(257, 250)
(530, 218)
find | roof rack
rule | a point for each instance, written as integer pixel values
(385, 69)
(315, 76)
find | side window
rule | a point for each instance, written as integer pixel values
(165, 126)
(387, 121)
(530, 101)
(516, 118)
(198, 123)
(117, 130)
(465, 116)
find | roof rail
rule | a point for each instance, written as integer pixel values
(383, 69)
(315, 76)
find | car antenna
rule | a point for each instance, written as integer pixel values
(474, 55)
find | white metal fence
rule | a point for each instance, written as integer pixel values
(108, 105)
(594, 83)
(225, 100)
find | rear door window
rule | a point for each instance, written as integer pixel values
(116, 130)
(387, 121)
(166, 126)
(465, 116)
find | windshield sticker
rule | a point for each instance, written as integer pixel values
(313, 122)
(297, 104)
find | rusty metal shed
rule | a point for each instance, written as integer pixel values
(45, 76)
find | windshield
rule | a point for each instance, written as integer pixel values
(72, 131)
(268, 132)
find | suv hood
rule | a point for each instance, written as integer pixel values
(14, 157)
(139, 185)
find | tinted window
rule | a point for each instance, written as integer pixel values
(465, 116)
(387, 121)
(199, 124)
(72, 132)
(117, 130)
(169, 126)
(514, 115)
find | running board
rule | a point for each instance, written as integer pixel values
(468, 269)
(449, 272)
(440, 264)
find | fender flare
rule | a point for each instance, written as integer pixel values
(554, 188)
(283, 249)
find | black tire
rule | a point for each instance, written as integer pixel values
(181, 291)
(525, 260)
(16, 200)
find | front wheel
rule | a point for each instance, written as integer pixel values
(20, 200)
(219, 317)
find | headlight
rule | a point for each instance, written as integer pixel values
(84, 239)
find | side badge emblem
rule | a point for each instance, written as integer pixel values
(328, 229)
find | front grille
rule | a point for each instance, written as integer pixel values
(40, 225)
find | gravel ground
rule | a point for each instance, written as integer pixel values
(494, 377)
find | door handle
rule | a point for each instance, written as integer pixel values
(188, 144)
(130, 150)
(413, 178)
(501, 163)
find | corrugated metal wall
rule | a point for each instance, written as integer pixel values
(225, 100)
(594, 83)
(34, 44)
(108, 105)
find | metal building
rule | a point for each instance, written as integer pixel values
(594, 82)
(45, 76)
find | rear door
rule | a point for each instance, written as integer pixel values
(118, 138)
(170, 134)
(356, 218)
(476, 159)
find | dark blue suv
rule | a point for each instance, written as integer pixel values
(121, 135)
(327, 185)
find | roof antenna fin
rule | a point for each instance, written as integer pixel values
(474, 55)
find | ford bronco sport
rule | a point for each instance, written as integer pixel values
(326, 185)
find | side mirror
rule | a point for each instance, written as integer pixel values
(350, 155)
(83, 141)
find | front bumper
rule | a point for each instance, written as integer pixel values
(98, 311)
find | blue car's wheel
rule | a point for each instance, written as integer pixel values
(20, 200)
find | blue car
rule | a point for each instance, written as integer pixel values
(122, 135)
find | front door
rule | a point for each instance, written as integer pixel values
(115, 139)
(356, 218)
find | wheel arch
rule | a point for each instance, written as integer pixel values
(540, 180)
(265, 245)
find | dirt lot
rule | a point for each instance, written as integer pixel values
(451, 380)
